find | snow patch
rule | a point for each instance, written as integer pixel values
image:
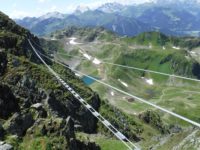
(174, 47)
(148, 81)
(78, 75)
(72, 41)
(96, 61)
(123, 83)
(87, 56)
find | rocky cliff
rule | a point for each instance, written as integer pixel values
(36, 112)
(29, 108)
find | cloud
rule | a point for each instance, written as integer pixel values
(53, 8)
(42, 1)
(70, 8)
(16, 14)
(14, 5)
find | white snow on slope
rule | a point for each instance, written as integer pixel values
(174, 47)
(96, 61)
(78, 75)
(87, 56)
(149, 81)
(123, 83)
(72, 41)
(112, 93)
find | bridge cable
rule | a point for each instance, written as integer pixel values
(135, 68)
(96, 114)
(128, 94)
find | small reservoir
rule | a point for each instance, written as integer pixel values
(87, 80)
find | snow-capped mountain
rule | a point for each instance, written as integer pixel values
(52, 15)
(111, 7)
(179, 17)
(177, 2)
(82, 9)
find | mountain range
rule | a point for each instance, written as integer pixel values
(178, 18)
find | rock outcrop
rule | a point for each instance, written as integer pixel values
(2, 132)
(87, 120)
(19, 124)
(8, 102)
(3, 62)
(154, 119)
(78, 145)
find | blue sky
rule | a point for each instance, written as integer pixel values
(22, 8)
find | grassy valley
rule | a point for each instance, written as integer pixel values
(153, 51)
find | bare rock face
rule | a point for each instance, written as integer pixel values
(8, 102)
(19, 124)
(154, 119)
(2, 132)
(78, 145)
(69, 128)
(196, 70)
(74, 109)
(3, 62)
(57, 108)
(87, 120)
(56, 127)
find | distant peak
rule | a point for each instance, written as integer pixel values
(82, 9)
(176, 1)
(55, 14)
(111, 7)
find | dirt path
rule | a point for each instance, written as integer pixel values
(187, 139)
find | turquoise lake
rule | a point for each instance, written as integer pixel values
(88, 81)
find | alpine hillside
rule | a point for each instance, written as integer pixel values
(96, 52)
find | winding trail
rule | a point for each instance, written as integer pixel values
(185, 140)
